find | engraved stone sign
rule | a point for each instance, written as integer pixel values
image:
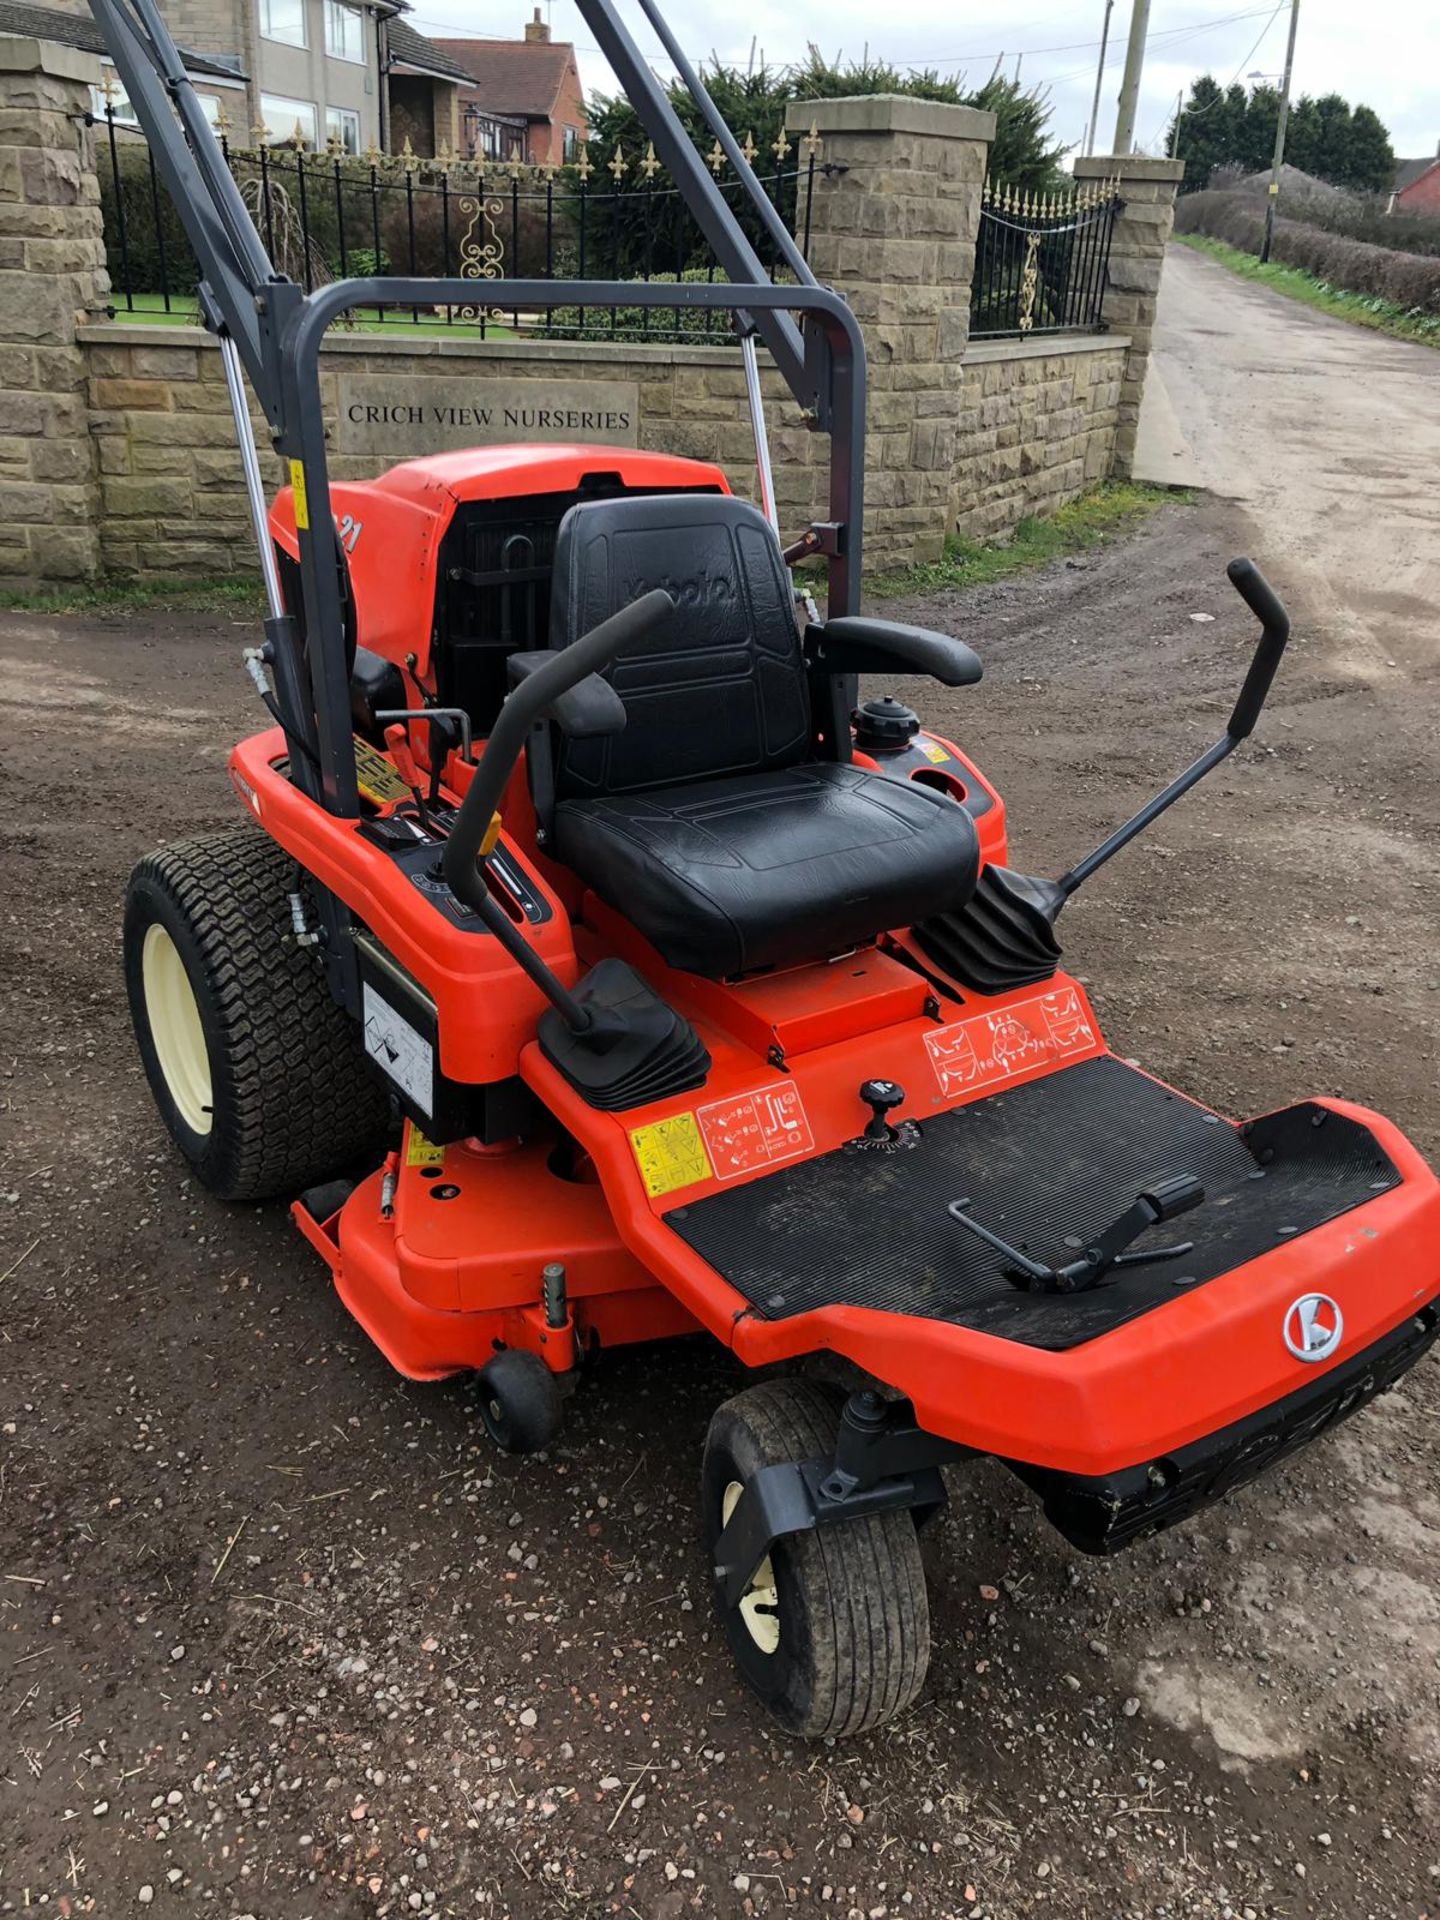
(398, 415)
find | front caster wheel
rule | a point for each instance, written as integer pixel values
(833, 1632)
(520, 1401)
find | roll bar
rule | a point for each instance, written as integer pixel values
(277, 329)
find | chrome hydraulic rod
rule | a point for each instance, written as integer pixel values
(254, 486)
(751, 358)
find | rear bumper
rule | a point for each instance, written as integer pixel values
(1103, 1513)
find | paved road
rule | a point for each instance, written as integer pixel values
(1331, 436)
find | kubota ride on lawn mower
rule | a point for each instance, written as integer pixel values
(596, 970)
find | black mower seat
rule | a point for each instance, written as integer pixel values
(709, 822)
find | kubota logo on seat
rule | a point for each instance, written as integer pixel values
(1314, 1327)
(699, 591)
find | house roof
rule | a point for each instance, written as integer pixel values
(515, 76)
(411, 49)
(79, 30)
(1407, 172)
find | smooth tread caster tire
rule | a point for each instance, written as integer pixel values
(259, 1076)
(520, 1401)
(834, 1631)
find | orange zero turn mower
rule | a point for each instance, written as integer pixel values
(596, 967)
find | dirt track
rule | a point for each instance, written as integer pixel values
(281, 1636)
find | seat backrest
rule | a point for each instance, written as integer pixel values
(725, 691)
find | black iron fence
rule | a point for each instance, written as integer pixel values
(1041, 261)
(327, 215)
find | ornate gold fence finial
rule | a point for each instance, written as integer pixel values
(810, 146)
(716, 157)
(617, 165)
(650, 166)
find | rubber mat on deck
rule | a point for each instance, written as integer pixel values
(1046, 1165)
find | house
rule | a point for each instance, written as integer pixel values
(346, 74)
(220, 84)
(423, 84)
(534, 82)
(1417, 186)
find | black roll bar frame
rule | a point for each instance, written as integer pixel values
(275, 330)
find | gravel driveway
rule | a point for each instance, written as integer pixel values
(280, 1634)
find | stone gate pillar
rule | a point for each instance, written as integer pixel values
(893, 226)
(1137, 255)
(52, 280)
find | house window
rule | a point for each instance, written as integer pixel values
(344, 32)
(343, 125)
(571, 148)
(121, 111)
(284, 20)
(287, 121)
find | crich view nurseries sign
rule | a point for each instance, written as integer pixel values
(395, 416)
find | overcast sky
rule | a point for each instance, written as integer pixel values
(1386, 53)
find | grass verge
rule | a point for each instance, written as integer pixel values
(1361, 309)
(1093, 520)
(237, 592)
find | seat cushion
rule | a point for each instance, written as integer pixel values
(768, 869)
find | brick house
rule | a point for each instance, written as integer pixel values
(316, 70)
(1417, 186)
(220, 83)
(534, 83)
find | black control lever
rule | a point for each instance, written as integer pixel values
(473, 836)
(1263, 601)
(1162, 1200)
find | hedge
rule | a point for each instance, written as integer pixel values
(1409, 280)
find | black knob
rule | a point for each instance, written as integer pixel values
(884, 726)
(882, 1097)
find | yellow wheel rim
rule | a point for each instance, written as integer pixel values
(760, 1603)
(175, 1030)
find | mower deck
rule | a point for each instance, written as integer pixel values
(1049, 1166)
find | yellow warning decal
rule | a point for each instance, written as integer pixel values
(302, 505)
(375, 777)
(420, 1152)
(935, 753)
(670, 1154)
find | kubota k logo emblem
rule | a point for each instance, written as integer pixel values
(1314, 1327)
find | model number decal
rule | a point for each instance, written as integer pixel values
(1040, 1033)
(349, 530)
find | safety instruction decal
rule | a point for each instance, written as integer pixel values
(400, 1049)
(670, 1154)
(756, 1130)
(375, 777)
(420, 1152)
(991, 1048)
(302, 503)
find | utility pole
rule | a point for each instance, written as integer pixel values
(1130, 85)
(1099, 78)
(1179, 115)
(1280, 127)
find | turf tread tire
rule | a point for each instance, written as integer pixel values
(862, 1650)
(293, 1100)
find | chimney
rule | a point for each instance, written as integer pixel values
(536, 29)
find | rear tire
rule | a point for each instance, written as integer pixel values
(259, 1076)
(837, 1638)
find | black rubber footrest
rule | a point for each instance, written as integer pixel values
(1048, 1165)
(642, 1050)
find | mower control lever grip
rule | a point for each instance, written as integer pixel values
(1263, 601)
(592, 652)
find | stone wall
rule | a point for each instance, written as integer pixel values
(52, 280)
(171, 496)
(1037, 425)
(116, 451)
